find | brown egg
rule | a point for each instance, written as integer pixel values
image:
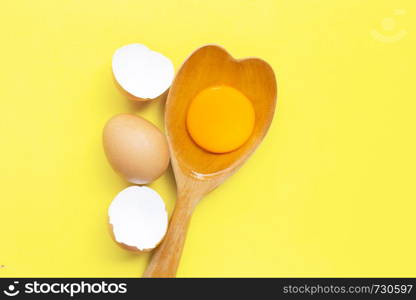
(135, 148)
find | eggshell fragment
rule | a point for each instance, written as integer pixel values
(135, 148)
(138, 218)
(142, 73)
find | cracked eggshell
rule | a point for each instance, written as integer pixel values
(135, 148)
(143, 74)
(138, 219)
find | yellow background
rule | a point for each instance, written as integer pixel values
(330, 192)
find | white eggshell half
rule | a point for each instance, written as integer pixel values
(143, 73)
(138, 217)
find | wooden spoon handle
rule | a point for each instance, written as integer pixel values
(166, 257)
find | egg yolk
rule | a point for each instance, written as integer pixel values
(220, 119)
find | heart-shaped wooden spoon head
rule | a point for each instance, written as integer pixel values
(209, 66)
(197, 171)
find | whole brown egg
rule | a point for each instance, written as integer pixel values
(135, 148)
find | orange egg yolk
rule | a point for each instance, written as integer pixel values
(220, 119)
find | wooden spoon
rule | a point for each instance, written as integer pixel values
(197, 171)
